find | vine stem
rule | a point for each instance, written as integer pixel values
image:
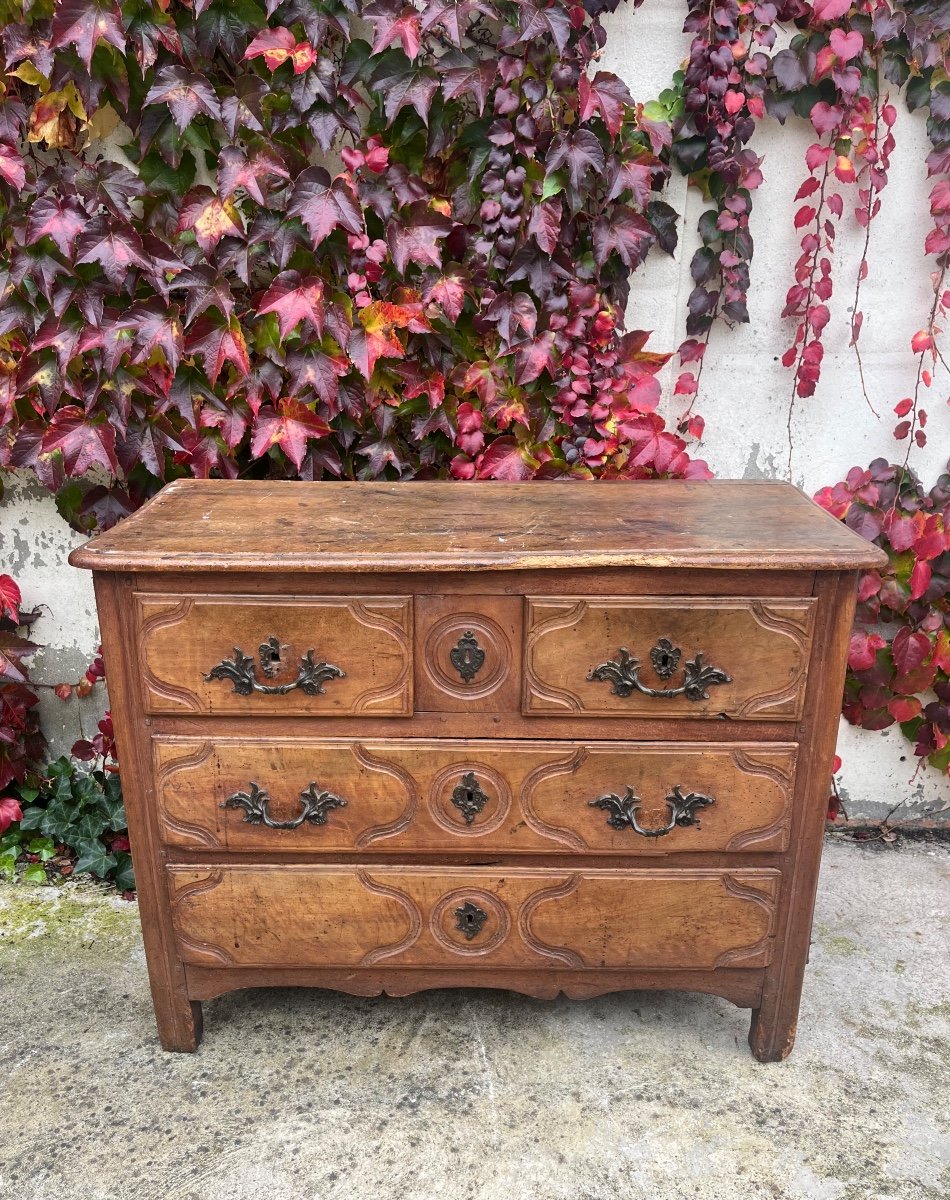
(873, 193)
(819, 216)
(938, 288)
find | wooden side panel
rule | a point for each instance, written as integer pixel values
(276, 642)
(265, 916)
(758, 648)
(516, 797)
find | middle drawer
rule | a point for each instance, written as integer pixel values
(306, 796)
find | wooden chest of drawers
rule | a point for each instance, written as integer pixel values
(549, 737)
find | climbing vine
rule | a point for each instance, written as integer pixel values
(359, 238)
(899, 657)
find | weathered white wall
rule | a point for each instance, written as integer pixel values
(745, 393)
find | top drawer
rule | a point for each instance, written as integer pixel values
(333, 656)
(679, 657)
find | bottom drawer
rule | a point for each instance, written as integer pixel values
(346, 916)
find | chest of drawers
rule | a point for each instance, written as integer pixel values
(552, 737)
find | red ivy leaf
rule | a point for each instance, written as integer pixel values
(920, 578)
(545, 223)
(606, 95)
(910, 649)
(374, 337)
(277, 46)
(57, 217)
(294, 299)
(235, 171)
(219, 344)
(830, 10)
(83, 23)
(185, 93)
(10, 811)
(448, 291)
(63, 690)
(863, 649)
(210, 217)
(415, 237)
(12, 166)
(534, 357)
(84, 443)
(625, 232)
(324, 206)
(504, 460)
(10, 599)
(403, 28)
(115, 246)
(289, 427)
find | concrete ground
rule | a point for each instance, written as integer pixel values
(483, 1095)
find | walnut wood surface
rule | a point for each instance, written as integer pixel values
(762, 645)
(333, 916)
(399, 795)
(220, 525)
(754, 576)
(496, 623)
(367, 637)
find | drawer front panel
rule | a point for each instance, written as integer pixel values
(276, 656)
(308, 796)
(682, 657)
(283, 916)
(468, 653)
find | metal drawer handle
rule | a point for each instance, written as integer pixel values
(316, 806)
(624, 673)
(311, 676)
(623, 812)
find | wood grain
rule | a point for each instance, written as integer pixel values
(337, 916)
(399, 795)
(382, 580)
(763, 646)
(368, 637)
(264, 525)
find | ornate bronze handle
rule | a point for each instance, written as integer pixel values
(624, 673)
(623, 812)
(311, 676)
(316, 805)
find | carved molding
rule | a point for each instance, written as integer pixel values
(401, 632)
(198, 833)
(170, 613)
(533, 688)
(482, 944)
(442, 638)
(563, 766)
(559, 954)
(449, 818)
(180, 893)
(774, 837)
(411, 910)
(760, 952)
(378, 832)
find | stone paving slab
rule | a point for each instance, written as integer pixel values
(483, 1095)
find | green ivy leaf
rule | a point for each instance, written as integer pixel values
(44, 847)
(34, 874)
(94, 858)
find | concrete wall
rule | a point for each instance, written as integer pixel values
(745, 396)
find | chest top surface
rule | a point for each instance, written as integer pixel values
(262, 526)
